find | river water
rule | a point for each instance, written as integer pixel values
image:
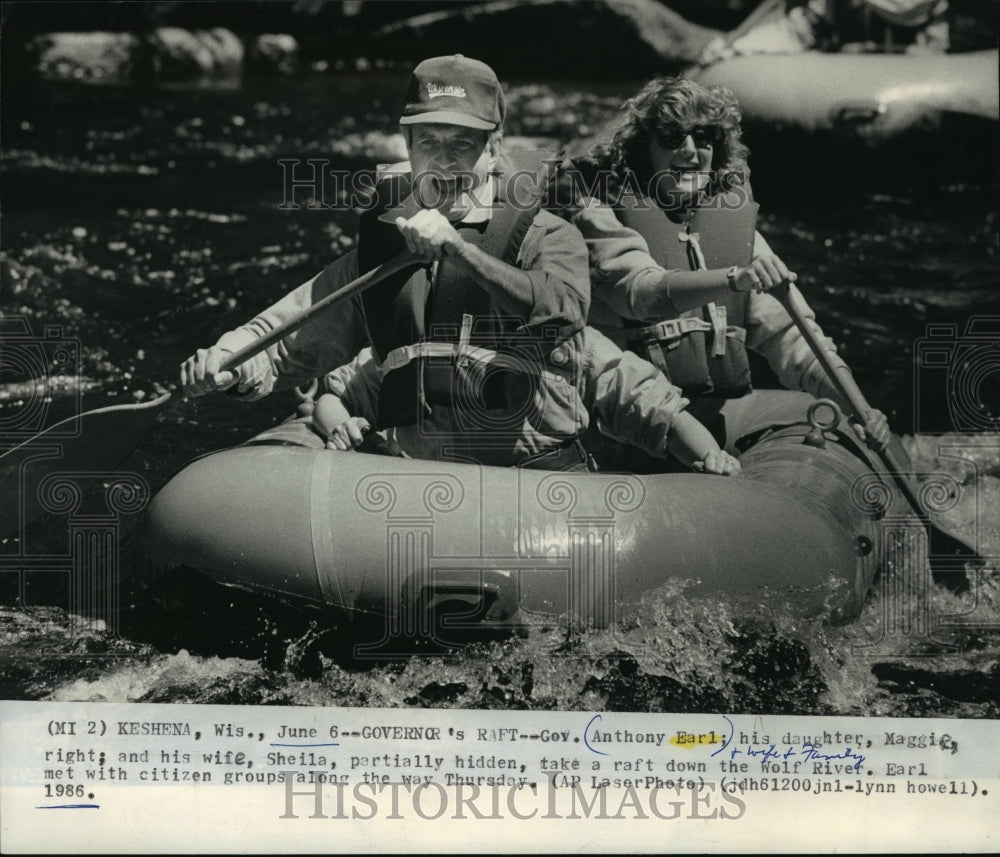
(145, 224)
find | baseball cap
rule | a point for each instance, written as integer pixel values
(454, 90)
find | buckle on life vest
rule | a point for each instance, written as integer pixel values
(665, 332)
(405, 354)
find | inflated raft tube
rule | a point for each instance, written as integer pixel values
(875, 96)
(394, 537)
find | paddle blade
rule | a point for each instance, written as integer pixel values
(92, 442)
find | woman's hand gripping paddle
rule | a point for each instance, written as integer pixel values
(101, 439)
(893, 456)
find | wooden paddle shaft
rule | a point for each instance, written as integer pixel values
(349, 290)
(840, 377)
(844, 382)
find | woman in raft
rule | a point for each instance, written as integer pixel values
(680, 273)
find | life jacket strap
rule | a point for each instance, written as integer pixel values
(400, 357)
(463, 339)
(717, 313)
(693, 240)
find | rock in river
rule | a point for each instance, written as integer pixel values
(275, 52)
(179, 54)
(86, 57)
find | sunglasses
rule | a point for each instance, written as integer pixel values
(703, 136)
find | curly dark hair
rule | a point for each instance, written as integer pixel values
(667, 104)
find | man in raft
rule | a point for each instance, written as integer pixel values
(478, 351)
(680, 273)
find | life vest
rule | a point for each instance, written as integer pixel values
(703, 350)
(438, 337)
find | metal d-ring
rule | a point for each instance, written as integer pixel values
(818, 426)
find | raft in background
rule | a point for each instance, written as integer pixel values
(870, 97)
(848, 122)
(414, 541)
